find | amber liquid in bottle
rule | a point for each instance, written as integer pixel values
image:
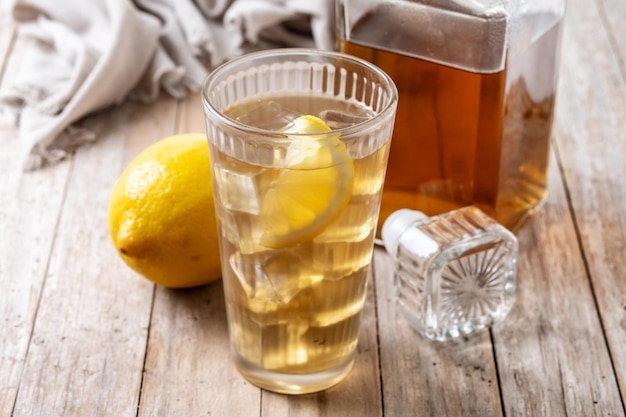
(465, 138)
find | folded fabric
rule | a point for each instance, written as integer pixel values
(85, 55)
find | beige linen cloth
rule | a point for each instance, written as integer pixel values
(86, 55)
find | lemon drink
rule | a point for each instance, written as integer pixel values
(297, 183)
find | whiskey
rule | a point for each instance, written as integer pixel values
(464, 136)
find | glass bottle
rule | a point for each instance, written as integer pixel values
(477, 82)
(454, 273)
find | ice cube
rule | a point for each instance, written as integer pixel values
(355, 223)
(273, 276)
(228, 225)
(249, 273)
(237, 190)
(283, 344)
(269, 115)
(338, 120)
(339, 259)
(336, 301)
(288, 275)
(241, 230)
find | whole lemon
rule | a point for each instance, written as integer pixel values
(161, 213)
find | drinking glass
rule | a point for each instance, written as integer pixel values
(298, 141)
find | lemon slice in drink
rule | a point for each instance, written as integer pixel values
(311, 190)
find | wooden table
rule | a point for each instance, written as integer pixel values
(82, 335)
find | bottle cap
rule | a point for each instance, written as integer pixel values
(396, 224)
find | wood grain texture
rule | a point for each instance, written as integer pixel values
(188, 367)
(591, 141)
(29, 212)
(424, 378)
(551, 353)
(87, 349)
(30, 206)
(613, 13)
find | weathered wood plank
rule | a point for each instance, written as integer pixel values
(29, 211)
(613, 14)
(551, 353)
(88, 345)
(423, 378)
(191, 115)
(188, 367)
(591, 138)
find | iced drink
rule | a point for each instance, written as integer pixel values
(299, 142)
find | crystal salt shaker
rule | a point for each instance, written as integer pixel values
(454, 273)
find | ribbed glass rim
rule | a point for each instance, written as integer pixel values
(286, 54)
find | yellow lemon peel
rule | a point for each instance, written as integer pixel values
(161, 213)
(311, 190)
